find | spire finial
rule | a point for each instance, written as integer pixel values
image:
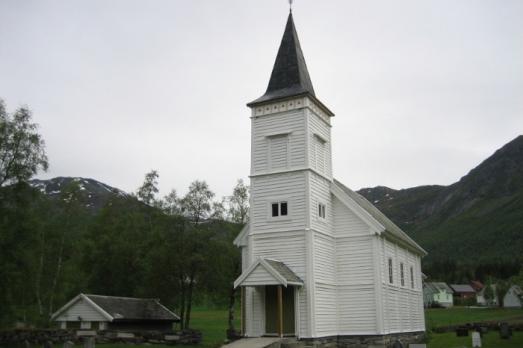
(290, 5)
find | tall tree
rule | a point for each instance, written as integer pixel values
(239, 203)
(147, 192)
(22, 149)
(196, 204)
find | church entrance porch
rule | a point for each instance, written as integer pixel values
(279, 311)
(272, 298)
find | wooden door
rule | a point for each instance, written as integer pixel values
(271, 310)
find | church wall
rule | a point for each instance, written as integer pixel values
(290, 248)
(291, 123)
(320, 193)
(325, 297)
(402, 304)
(346, 223)
(318, 126)
(356, 276)
(289, 187)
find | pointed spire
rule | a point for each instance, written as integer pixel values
(290, 76)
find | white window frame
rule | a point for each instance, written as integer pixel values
(85, 325)
(102, 325)
(391, 270)
(278, 200)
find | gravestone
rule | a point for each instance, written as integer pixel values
(417, 345)
(68, 344)
(48, 344)
(89, 342)
(504, 331)
(476, 340)
(462, 331)
(397, 344)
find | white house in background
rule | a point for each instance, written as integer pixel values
(438, 293)
(318, 260)
(513, 298)
(482, 301)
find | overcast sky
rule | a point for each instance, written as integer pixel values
(423, 91)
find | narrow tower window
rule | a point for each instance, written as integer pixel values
(321, 210)
(411, 277)
(402, 274)
(279, 209)
(391, 278)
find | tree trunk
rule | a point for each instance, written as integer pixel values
(38, 280)
(58, 267)
(189, 302)
(182, 303)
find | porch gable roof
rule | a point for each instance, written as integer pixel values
(268, 272)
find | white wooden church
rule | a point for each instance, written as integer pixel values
(318, 260)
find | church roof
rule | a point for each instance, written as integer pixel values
(290, 76)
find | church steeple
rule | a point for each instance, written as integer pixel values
(290, 76)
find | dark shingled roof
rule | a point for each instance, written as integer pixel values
(127, 308)
(284, 271)
(290, 76)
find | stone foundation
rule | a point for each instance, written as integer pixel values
(367, 341)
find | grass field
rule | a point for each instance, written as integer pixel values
(461, 315)
(213, 323)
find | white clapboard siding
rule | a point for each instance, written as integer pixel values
(291, 123)
(303, 311)
(354, 260)
(356, 309)
(260, 276)
(286, 247)
(325, 314)
(324, 258)
(320, 193)
(289, 187)
(258, 308)
(83, 310)
(245, 258)
(346, 223)
(279, 152)
(317, 127)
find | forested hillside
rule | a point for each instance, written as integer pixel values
(55, 245)
(477, 220)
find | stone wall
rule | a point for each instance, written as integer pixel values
(366, 341)
(30, 337)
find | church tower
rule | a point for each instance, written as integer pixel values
(314, 253)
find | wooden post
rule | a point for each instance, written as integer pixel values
(242, 308)
(280, 311)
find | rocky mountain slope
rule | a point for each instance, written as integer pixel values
(95, 194)
(479, 217)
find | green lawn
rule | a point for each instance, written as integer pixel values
(461, 315)
(213, 323)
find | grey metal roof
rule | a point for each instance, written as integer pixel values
(290, 76)
(439, 286)
(380, 217)
(128, 308)
(462, 288)
(284, 271)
